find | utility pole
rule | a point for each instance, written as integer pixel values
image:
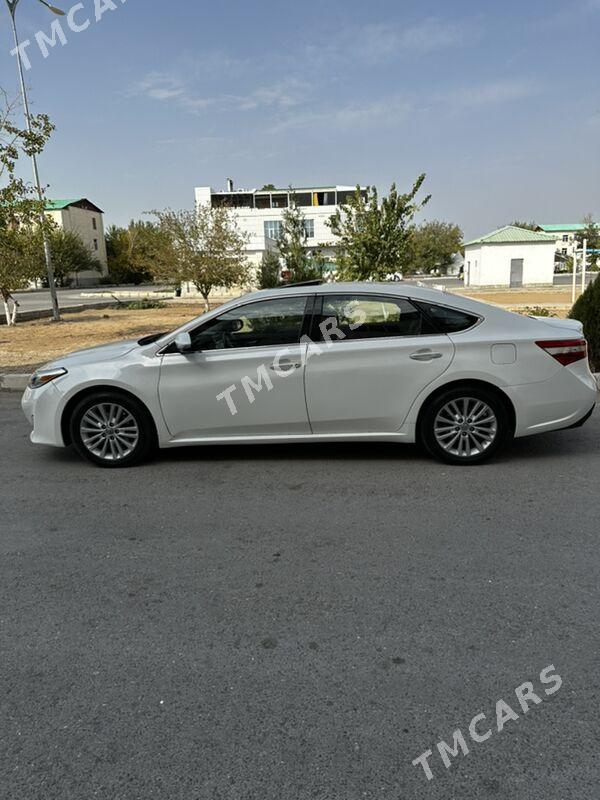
(583, 266)
(574, 292)
(12, 7)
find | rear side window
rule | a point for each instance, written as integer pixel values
(371, 317)
(448, 320)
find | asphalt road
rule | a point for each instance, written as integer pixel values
(40, 300)
(297, 622)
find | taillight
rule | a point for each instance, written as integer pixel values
(565, 351)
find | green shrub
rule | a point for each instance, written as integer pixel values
(142, 305)
(536, 311)
(587, 310)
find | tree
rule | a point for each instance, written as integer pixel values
(431, 246)
(69, 253)
(587, 311)
(591, 232)
(268, 187)
(204, 247)
(529, 226)
(292, 245)
(132, 251)
(20, 208)
(21, 263)
(374, 237)
(268, 272)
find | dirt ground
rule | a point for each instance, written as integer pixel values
(546, 298)
(28, 344)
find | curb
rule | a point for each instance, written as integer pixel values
(44, 313)
(13, 382)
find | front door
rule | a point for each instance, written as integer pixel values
(243, 377)
(367, 376)
(516, 272)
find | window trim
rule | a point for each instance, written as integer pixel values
(306, 318)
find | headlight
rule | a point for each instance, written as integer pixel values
(44, 376)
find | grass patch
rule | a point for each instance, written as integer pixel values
(142, 305)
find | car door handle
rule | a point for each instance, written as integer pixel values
(425, 355)
(285, 366)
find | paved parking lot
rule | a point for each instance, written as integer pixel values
(296, 622)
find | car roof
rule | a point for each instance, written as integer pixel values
(395, 288)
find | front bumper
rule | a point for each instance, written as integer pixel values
(42, 410)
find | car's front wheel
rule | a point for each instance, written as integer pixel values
(112, 430)
(465, 425)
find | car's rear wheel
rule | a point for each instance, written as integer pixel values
(112, 430)
(465, 425)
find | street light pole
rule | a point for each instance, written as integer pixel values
(12, 7)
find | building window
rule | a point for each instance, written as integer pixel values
(273, 228)
(565, 237)
(309, 227)
(303, 198)
(279, 201)
(262, 201)
(564, 251)
(94, 226)
(95, 244)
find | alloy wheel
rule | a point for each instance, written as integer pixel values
(465, 427)
(109, 431)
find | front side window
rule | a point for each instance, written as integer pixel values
(448, 320)
(269, 322)
(369, 317)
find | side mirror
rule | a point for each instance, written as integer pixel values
(183, 342)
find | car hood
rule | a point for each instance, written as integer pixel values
(103, 352)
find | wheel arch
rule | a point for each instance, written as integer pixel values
(469, 383)
(96, 389)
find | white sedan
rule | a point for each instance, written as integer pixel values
(321, 363)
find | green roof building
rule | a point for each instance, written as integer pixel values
(510, 257)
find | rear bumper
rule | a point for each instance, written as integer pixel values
(583, 420)
(563, 401)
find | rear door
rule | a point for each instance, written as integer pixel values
(373, 355)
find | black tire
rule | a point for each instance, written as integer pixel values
(135, 450)
(439, 424)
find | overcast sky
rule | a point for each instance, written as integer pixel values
(498, 102)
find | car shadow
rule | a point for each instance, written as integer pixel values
(338, 451)
(557, 445)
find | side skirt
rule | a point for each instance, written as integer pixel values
(406, 437)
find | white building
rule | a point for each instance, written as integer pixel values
(83, 218)
(510, 256)
(567, 236)
(259, 212)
